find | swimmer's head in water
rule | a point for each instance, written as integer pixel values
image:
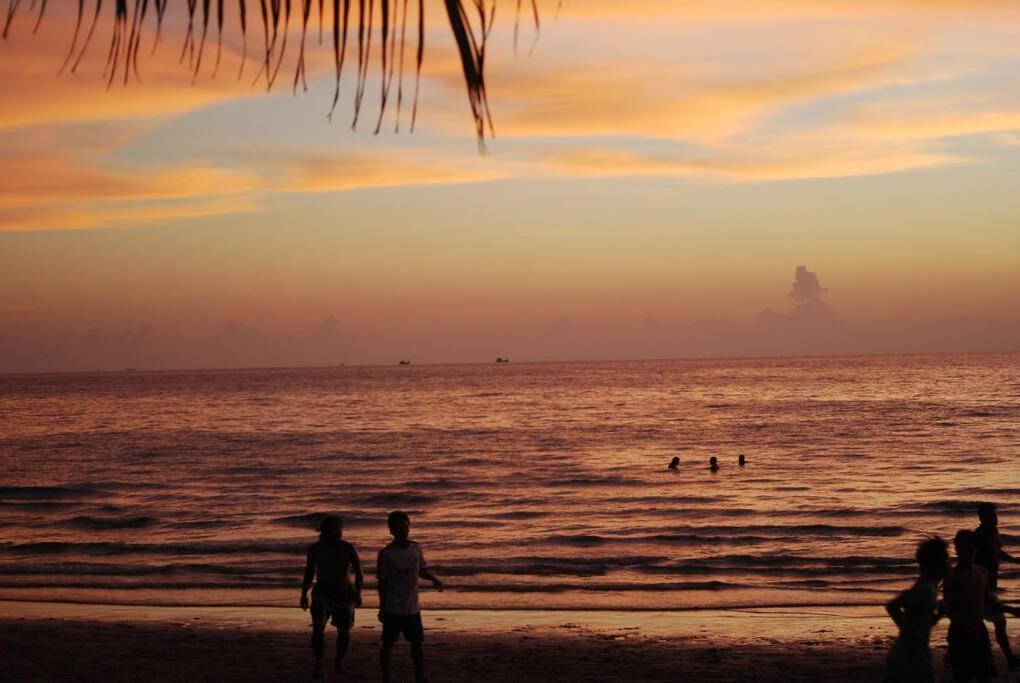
(674, 462)
(933, 558)
(988, 514)
(331, 527)
(713, 460)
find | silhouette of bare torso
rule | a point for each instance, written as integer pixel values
(332, 561)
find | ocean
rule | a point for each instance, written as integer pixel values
(530, 486)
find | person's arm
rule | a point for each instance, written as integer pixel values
(948, 590)
(423, 572)
(429, 576)
(895, 608)
(995, 606)
(992, 603)
(359, 577)
(381, 581)
(306, 583)
(1001, 551)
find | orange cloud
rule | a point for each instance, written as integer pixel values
(332, 172)
(68, 175)
(654, 100)
(714, 10)
(816, 161)
(929, 121)
(63, 178)
(33, 93)
(690, 89)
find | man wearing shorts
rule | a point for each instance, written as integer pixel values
(399, 567)
(330, 562)
(989, 553)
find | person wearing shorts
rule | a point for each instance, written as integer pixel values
(399, 566)
(330, 563)
(328, 610)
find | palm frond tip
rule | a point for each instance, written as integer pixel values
(470, 21)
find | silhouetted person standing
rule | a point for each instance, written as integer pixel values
(399, 567)
(915, 611)
(989, 554)
(968, 602)
(713, 464)
(330, 562)
(742, 460)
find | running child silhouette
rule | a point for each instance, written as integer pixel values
(915, 611)
(399, 567)
(330, 562)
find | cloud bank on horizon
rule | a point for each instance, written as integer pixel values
(810, 327)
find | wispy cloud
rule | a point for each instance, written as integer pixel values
(67, 178)
(840, 95)
(670, 99)
(736, 165)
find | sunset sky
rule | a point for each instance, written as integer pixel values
(661, 168)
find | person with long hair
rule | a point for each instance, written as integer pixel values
(331, 561)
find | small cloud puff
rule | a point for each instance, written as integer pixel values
(806, 288)
(563, 326)
(329, 326)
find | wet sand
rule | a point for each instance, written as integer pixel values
(92, 642)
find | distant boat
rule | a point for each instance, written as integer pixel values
(502, 360)
(405, 362)
(130, 369)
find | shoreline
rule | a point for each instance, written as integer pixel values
(288, 618)
(63, 642)
(875, 607)
(66, 641)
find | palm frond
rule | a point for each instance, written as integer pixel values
(471, 23)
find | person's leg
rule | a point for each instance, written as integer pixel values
(984, 659)
(414, 633)
(319, 619)
(343, 643)
(418, 657)
(343, 619)
(384, 660)
(318, 644)
(959, 660)
(1002, 638)
(390, 633)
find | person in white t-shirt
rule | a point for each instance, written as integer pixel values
(399, 567)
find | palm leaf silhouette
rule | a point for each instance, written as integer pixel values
(470, 22)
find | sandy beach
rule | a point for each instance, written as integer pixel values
(48, 641)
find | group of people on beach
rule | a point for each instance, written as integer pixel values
(969, 599)
(332, 560)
